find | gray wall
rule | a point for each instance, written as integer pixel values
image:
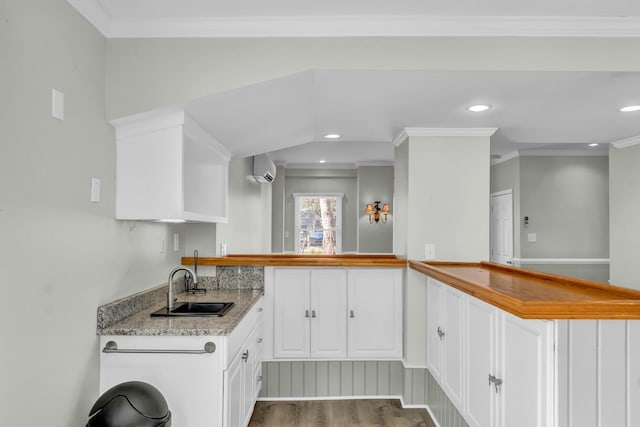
(138, 70)
(625, 212)
(375, 183)
(321, 181)
(61, 256)
(248, 230)
(567, 201)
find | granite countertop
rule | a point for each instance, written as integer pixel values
(141, 323)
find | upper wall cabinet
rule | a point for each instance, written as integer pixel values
(169, 169)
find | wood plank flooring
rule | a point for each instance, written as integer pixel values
(338, 413)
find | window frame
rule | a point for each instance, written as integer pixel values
(338, 228)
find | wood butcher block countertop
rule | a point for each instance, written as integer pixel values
(291, 260)
(533, 295)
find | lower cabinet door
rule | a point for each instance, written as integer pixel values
(526, 371)
(233, 398)
(480, 398)
(375, 313)
(328, 313)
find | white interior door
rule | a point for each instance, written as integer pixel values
(502, 227)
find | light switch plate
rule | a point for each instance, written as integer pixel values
(429, 251)
(57, 104)
(532, 237)
(95, 190)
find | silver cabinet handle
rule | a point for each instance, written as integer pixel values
(245, 356)
(259, 340)
(306, 313)
(259, 378)
(497, 382)
(440, 333)
(260, 309)
(351, 314)
(112, 347)
(313, 313)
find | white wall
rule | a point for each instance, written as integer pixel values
(61, 256)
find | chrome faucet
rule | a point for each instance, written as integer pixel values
(170, 300)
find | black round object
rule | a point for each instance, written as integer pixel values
(130, 404)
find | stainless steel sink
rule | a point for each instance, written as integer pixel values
(195, 309)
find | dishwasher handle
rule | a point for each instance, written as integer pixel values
(112, 347)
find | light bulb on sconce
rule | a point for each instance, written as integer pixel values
(374, 209)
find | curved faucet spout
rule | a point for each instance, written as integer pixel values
(170, 299)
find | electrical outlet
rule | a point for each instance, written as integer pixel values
(95, 190)
(532, 237)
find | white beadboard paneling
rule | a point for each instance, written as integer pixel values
(612, 373)
(583, 379)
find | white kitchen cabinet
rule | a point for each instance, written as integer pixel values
(205, 389)
(309, 313)
(240, 384)
(169, 168)
(509, 368)
(445, 351)
(375, 313)
(334, 313)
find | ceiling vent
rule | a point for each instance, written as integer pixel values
(264, 170)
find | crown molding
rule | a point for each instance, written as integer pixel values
(359, 26)
(407, 132)
(628, 142)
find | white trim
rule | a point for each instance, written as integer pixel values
(359, 26)
(582, 152)
(573, 261)
(624, 143)
(375, 163)
(407, 132)
(506, 157)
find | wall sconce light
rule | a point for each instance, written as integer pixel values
(374, 209)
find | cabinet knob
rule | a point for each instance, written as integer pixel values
(440, 333)
(313, 313)
(497, 382)
(260, 309)
(245, 356)
(306, 313)
(259, 340)
(259, 378)
(351, 314)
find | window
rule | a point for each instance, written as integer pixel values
(318, 223)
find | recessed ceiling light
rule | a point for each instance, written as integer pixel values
(593, 145)
(478, 108)
(323, 161)
(331, 136)
(630, 108)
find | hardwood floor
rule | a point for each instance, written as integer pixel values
(338, 413)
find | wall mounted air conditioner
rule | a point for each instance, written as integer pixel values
(264, 170)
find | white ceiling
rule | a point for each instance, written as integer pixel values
(287, 117)
(533, 111)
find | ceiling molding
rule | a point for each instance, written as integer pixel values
(360, 26)
(375, 163)
(563, 152)
(407, 132)
(628, 142)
